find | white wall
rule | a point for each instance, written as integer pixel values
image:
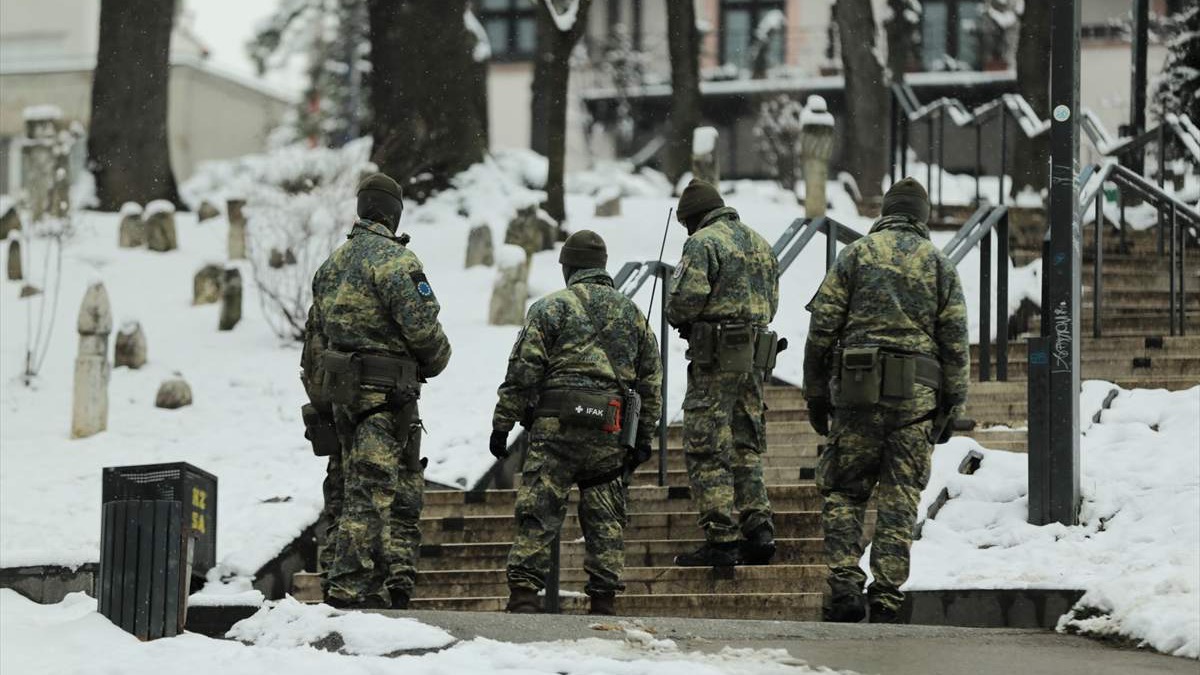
(48, 29)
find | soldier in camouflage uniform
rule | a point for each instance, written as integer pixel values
(727, 276)
(892, 290)
(587, 340)
(375, 316)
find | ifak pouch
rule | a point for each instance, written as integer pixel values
(591, 410)
(861, 378)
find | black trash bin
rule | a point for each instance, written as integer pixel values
(194, 488)
(158, 528)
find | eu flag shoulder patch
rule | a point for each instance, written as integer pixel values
(422, 283)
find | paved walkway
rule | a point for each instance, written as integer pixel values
(887, 650)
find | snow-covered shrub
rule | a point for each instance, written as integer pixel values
(1177, 91)
(778, 134)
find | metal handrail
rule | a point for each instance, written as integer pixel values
(977, 231)
(910, 111)
(1096, 176)
(797, 236)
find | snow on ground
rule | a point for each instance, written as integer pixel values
(245, 425)
(1136, 551)
(71, 637)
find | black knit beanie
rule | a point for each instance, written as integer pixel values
(698, 197)
(907, 198)
(584, 250)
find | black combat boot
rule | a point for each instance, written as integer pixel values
(710, 555)
(523, 601)
(881, 613)
(603, 605)
(360, 603)
(399, 599)
(848, 608)
(758, 547)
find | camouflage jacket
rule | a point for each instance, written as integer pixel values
(372, 296)
(892, 288)
(727, 273)
(564, 345)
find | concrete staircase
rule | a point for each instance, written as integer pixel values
(466, 535)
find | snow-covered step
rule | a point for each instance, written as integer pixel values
(774, 606)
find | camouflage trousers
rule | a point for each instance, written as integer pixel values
(724, 438)
(557, 460)
(334, 490)
(874, 452)
(378, 533)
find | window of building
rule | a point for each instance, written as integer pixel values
(511, 27)
(951, 34)
(739, 21)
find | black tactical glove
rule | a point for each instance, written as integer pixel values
(947, 432)
(639, 455)
(818, 415)
(499, 444)
(781, 346)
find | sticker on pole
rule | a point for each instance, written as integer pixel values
(1062, 113)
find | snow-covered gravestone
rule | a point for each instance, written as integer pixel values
(10, 220)
(133, 231)
(237, 228)
(608, 202)
(131, 346)
(480, 250)
(39, 161)
(206, 211)
(816, 147)
(511, 288)
(532, 229)
(206, 286)
(704, 155)
(173, 393)
(14, 260)
(89, 410)
(231, 299)
(160, 226)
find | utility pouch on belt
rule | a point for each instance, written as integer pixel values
(320, 431)
(590, 410)
(343, 376)
(735, 347)
(861, 377)
(631, 410)
(899, 375)
(406, 424)
(766, 350)
(702, 344)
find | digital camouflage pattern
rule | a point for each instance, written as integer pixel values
(727, 273)
(874, 451)
(892, 288)
(371, 295)
(559, 458)
(563, 346)
(568, 339)
(724, 438)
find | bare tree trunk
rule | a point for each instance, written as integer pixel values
(128, 148)
(867, 100)
(426, 93)
(551, 75)
(684, 46)
(900, 36)
(1032, 156)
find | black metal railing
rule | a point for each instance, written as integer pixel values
(1175, 220)
(796, 237)
(906, 111)
(977, 231)
(1174, 131)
